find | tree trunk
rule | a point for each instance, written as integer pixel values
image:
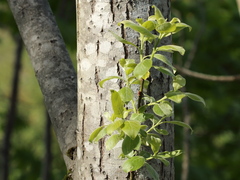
(98, 54)
(11, 116)
(53, 69)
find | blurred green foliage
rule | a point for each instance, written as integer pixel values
(212, 48)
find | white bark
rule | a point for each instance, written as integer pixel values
(98, 54)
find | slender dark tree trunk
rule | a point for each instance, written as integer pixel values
(186, 141)
(11, 117)
(47, 162)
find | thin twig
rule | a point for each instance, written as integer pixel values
(208, 76)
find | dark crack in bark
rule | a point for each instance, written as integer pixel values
(112, 10)
(82, 133)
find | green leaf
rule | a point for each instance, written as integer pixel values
(161, 131)
(148, 98)
(171, 48)
(149, 25)
(114, 126)
(123, 40)
(129, 144)
(179, 123)
(164, 70)
(167, 154)
(157, 12)
(109, 78)
(112, 141)
(175, 20)
(166, 27)
(138, 117)
(143, 133)
(195, 97)
(131, 128)
(175, 96)
(163, 109)
(154, 142)
(164, 60)
(180, 26)
(178, 82)
(152, 172)
(97, 134)
(126, 94)
(139, 21)
(165, 162)
(142, 68)
(133, 163)
(129, 68)
(157, 110)
(117, 104)
(126, 112)
(138, 28)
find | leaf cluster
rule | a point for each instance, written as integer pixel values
(129, 117)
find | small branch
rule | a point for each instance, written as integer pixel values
(207, 76)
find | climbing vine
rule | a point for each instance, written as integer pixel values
(128, 119)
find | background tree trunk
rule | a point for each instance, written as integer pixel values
(98, 54)
(53, 69)
(12, 112)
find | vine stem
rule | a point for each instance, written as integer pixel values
(140, 93)
(158, 123)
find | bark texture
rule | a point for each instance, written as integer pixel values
(53, 69)
(98, 54)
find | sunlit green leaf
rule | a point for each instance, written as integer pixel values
(179, 123)
(112, 141)
(139, 21)
(138, 117)
(114, 126)
(166, 27)
(97, 134)
(171, 48)
(175, 96)
(126, 112)
(131, 128)
(164, 70)
(138, 28)
(117, 104)
(178, 82)
(129, 144)
(164, 60)
(157, 12)
(180, 26)
(161, 131)
(107, 79)
(167, 154)
(175, 20)
(142, 68)
(163, 109)
(133, 163)
(155, 143)
(122, 40)
(126, 94)
(195, 97)
(149, 25)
